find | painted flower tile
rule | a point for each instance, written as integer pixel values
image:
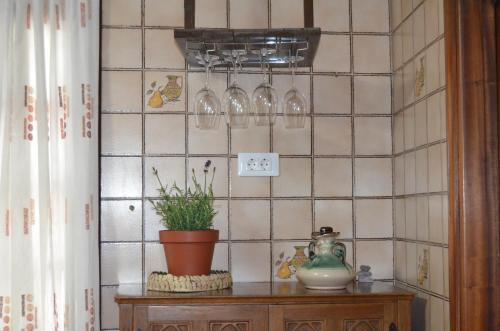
(287, 258)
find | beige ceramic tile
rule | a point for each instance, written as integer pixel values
(418, 29)
(164, 91)
(398, 91)
(371, 54)
(332, 95)
(154, 258)
(253, 139)
(423, 265)
(398, 128)
(420, 123)
(421, 171)
(220, 181)
(207, 141)
(435, 219)
(294, 179)
(331, 15)
(290, 142)
(400, 261)
(333, 54)
(442, 64)
(435, 168)
(121, 48)
(372, 135)
(399, 175)
(159, 56)
(121, 91)
(445, 218)
(395, 12)
(292, 219)
(165, 134)
(436, 270)
(373, 176)
(121, 220)
(121, 177)
(250, 219)
(434, 118)
(217, 83)
(250, 262)
(282, 84)
(399, 218)
(372, 95)
(423, 218)
(406, 7)
(333, 177)
(109, 308)
(121, 134)
(152, 223)
(221, 257)
(287, 256)
(161, 13)
(410, 173)
(407, 35)
(373, 218)
(121, 12)
(409, 83)
(446, 316)
(248, 186)
(409, 124)
(121, 263)
(397, 48)
(444, 166)
(377, 254)
(287, 14)
(441, 16)
(446, 274)
(411, 218)
(432, 67)
(436, 309)
(370, 16)
(248, 14)
(442, 107)
(431, 20)
(334, 213)
(170, 170)
(210, 14)
(332, 136)
(411, 263)
(221, 219)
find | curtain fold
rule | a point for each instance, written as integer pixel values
(49, 65)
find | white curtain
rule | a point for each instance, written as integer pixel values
(49, 274)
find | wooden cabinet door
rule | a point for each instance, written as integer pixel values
(201, 318)
(332, 317)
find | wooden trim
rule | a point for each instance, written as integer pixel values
(472, 108)
(189, 11)
(308, 13)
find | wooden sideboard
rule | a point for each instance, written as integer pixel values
(266, 307)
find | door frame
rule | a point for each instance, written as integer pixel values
(472, 69)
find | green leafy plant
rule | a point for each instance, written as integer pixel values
(189, 210)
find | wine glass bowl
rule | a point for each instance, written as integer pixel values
(265, 104)
(207, 109)
(236, 106)
(294, 109)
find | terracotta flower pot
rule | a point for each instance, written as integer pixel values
(189, 252)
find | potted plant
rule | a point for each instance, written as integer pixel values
(188, 217)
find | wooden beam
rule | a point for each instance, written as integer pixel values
(308, 13)
(473, 140)
(189, 11)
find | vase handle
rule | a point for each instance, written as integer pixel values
(339, 251)
(311, 247)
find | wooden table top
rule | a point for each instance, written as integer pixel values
(264, 293)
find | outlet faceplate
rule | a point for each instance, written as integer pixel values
(258, 164)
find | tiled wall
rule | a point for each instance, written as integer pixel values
(337, 171)
(420, 158)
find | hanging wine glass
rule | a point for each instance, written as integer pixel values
(265, 101)
(235, 102)
(294, 104)
(207, 107)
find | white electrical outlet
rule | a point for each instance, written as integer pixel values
(258, 164)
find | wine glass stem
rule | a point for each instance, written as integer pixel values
(207, 76)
